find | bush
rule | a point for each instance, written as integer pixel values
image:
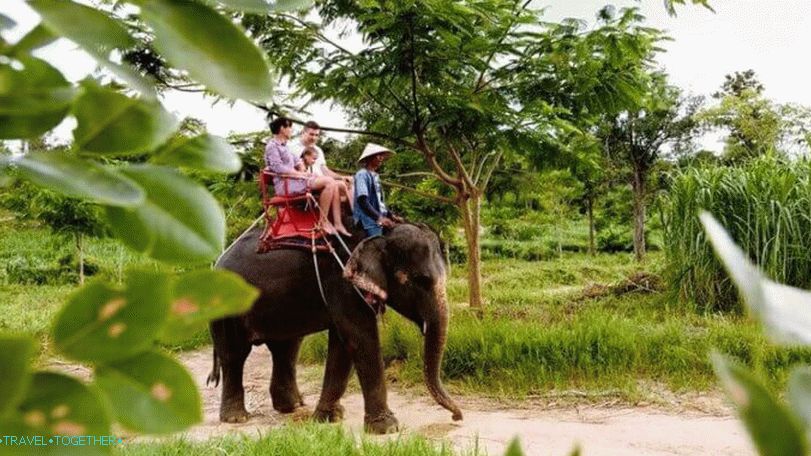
(764, 205)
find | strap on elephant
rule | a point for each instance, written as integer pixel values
(377, 307)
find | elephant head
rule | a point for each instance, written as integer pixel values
(406, 269)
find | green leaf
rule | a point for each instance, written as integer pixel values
(202, 296)
(15, 354)
(101, 323)
(35, 39)
(111, 123)
(215, 52)
(264, 7)
(59, 405)
(88, 27)
(34, 97)
(514, 449)
(782, 309)
(775, 431)
(799, 393)
(151, 393)
(179, 222)
(65, 173)
(204, 152)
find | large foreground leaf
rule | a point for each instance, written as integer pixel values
(34, 97)
(59, 405)
(88, 27)
(204, 152)
(97, 33)
(38, 37)
(179, 222)
(264, 7)
(194, 37)
(202, 296)
(784, 310)
(111, 123)
(151, 393)
(101, 323)
(15, 354)
(67, 174)
(775, 431)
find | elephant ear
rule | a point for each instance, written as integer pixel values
(365, 268)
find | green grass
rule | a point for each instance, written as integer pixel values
(765, 206)
(539, 333)
(299, 439)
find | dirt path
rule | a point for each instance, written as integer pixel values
(490, 425)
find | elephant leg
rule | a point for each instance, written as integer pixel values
(232, 352)
(336, 376)
(363, 345)
(284, 391)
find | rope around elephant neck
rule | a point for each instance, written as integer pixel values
(343, 268)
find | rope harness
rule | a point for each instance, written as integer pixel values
(375, 311)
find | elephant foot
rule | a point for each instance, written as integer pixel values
(331, 415)
(234, 415)
(385, 423)
(287, 403)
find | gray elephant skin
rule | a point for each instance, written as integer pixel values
(405, 268)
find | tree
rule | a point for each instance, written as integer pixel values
(464, 84)
(636, 138)
(755, 124)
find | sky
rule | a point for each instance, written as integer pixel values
(771, 37)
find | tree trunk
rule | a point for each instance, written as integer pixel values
(638, 186)
(471, 214)
(590, 207)
(80, 254)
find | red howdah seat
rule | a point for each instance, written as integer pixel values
(286, 216)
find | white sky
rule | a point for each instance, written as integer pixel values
(771, 37)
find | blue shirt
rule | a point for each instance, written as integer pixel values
(367, 183)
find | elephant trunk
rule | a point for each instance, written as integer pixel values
(436, 331)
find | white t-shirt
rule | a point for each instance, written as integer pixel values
(297, 148)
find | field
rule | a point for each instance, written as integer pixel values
(569, 330)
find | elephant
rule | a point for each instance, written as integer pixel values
(404, 268)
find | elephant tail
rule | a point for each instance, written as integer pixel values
(214, 375)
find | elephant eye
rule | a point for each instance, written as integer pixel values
(423, 281)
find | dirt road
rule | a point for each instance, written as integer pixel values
(490, 425)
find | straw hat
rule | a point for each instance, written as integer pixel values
(373, 149)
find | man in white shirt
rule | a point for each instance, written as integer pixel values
(308, 138)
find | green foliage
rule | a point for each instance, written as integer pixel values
(179, 222)
(35, 98)
(15, 352)
(57, 404)
(299, 439)
(202, 296)
(756, 125)
(763, 204)
(152, 209)
(151, 393)
(100, 323)
(203, 152)
(214, 51)
(783, 311)
(774, 429)
(111, 123)
(67, 174)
